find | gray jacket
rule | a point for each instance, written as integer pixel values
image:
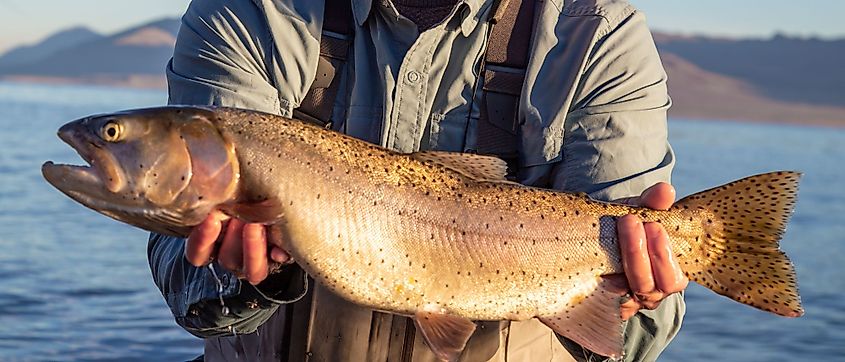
(592, 115)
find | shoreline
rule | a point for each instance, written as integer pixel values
(676, 114)
(811, 123)
(130, 82)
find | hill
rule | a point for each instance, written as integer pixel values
(701, 94)
(54, 43)
(134, 57)
(781, 79)
(791, 69)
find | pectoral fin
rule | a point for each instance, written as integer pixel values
(594, 320)
(445, 334)
(267, 212)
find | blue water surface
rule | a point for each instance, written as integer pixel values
(75, 285)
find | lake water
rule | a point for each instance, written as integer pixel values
(75, 285)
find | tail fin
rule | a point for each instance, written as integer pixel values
(740, 256)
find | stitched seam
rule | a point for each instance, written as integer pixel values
(576, 11)
(424, 83)
(615, 22)
(285, 107)
(434, 133)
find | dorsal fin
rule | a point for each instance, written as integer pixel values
(477, 167)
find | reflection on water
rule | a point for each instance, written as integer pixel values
(75, 285)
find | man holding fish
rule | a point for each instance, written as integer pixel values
(590, 116)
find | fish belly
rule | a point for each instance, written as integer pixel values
(399, 250)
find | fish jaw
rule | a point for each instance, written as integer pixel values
(161, 169)
(80, 183)
(102, 170)
(101, 178)
(72, 179)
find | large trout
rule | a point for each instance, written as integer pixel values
(441, 237)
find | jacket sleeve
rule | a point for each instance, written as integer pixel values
(219, 61)
(615, 146)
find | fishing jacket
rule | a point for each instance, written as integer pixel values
(577, 104)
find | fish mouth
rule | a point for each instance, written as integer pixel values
(84, 185)
(71, 177)
(101, 173)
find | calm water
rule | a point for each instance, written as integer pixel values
(75, 285)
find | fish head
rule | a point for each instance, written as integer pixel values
(160, 169)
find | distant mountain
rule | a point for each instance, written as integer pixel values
(701, 94)
(781, 79)
(136, 56)
(785, 68)
(58, 41)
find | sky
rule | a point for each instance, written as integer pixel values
(27, 21)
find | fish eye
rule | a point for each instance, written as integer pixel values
(111, 132)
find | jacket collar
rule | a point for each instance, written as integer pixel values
(470, 12)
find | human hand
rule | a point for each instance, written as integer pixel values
(650, 267)
(240, 247)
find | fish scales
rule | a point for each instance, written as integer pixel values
(441, 237)
(407, 233)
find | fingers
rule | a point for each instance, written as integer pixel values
(629, 308)
(274, 238)
(647, 259)
(635, 257)
(230, 255)
(280, 256)
(667, 274)
(660, 196)
(254, 253)
(199, 247)
(649, 265)
(242, 247)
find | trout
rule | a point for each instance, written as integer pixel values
(441, 237)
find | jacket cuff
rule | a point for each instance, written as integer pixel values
(249, 307)
(288, 285)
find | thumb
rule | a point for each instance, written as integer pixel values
(660, 196)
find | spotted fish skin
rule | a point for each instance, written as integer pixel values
(445, 235)
(394, 233)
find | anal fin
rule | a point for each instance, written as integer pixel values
(445, 334)
(594, 320)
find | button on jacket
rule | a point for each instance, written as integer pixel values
(592, 118)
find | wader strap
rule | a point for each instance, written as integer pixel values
(334, 47)
(505, 63)
(317, 107)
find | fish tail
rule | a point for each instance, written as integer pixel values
(738, 252)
